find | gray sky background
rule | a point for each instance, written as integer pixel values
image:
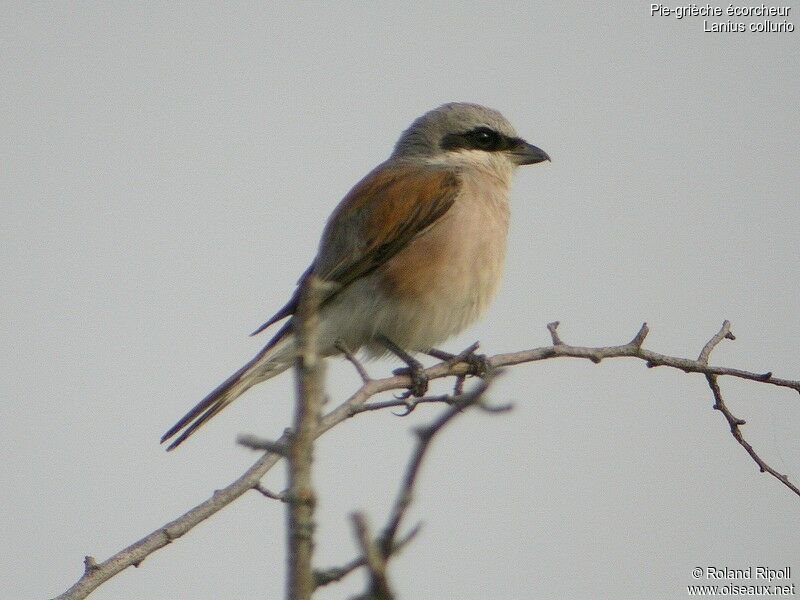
(167, 172)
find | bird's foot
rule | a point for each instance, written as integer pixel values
(414, 369)
(419, 380)
(479, 364)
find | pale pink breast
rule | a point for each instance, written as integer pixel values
(443, 280)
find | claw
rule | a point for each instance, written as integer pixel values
(414, 369)
(410, 406)
(419, 380)
(403, 396)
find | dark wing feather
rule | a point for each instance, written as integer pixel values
(291, 306)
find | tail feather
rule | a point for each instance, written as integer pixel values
(266, 364)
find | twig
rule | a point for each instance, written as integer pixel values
(377, 555)
(166, 534)
(409, 404)
(281, 496)
(359, 367)
(734, 422)
(458, 386)
(424, 437)
(723, 334)
(334, 574)
(379, 588)
(256, 443)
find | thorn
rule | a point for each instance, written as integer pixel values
(257, 443)
(495, 408)
(638, 339)
(282, 496)
(90, 564)
(552, 327)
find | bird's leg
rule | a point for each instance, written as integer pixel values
(478, 363)
(440, 354)
(414, 369)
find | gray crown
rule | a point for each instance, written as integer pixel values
(425, 135)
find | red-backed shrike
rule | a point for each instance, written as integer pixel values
(416, 248)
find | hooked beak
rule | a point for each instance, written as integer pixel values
(524, 153)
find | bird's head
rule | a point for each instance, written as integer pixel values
(463, 135)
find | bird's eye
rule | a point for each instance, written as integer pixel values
(485, 139)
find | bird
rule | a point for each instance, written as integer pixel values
(415, 250)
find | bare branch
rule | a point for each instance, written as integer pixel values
(734, 422)
(632, 349)
(137, 552)
(134, 554)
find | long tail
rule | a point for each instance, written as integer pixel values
(271, 361)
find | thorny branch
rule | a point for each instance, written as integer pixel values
(377, 553)
(95, 574)
(424, 437)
